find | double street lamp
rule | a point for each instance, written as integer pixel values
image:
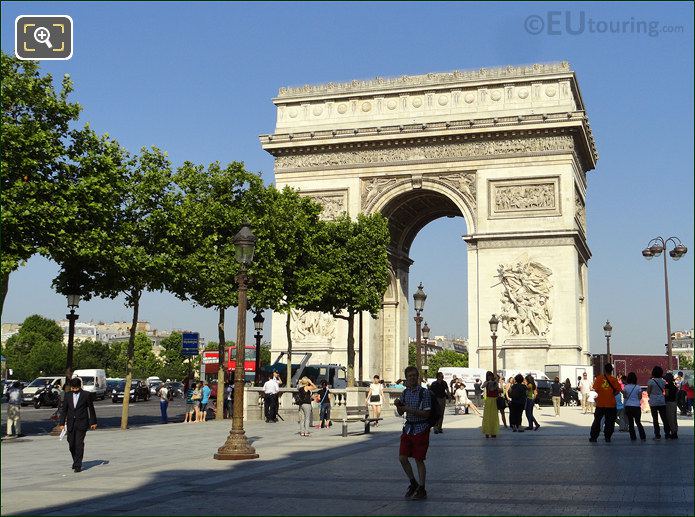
(419, 301)
(655, 248)
(258, 320)
(237, 446)
(607, 329)
(73, 304)
(494, 322)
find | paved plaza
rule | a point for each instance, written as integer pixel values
(169, 470)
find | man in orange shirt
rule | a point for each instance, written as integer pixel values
(607, 387)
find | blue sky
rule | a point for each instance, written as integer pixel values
(196, 79)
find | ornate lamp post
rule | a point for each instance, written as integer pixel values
(607, 329)
(258, 320)
(419, 301)
(73, 304)
(237, 446)
(654, 248)
(426, 336)
(494, 322)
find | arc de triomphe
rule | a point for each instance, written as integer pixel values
(506, 148)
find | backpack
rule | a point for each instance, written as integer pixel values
(434, 407)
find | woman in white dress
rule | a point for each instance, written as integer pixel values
(375, 397)
(462, 400)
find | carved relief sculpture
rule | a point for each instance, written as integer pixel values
(464, 182)
(312, 327)
(372, 187)
(526, 309)
(580, 211)
(524, 197)
(333, 206)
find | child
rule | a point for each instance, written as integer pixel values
(591, 401)
(644, 403)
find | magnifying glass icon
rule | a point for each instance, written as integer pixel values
(41, 35)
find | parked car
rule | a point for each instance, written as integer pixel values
(154, 387)
(546, 399)
(138, 391)
(111, 385)
(55, 381)
(175, 389)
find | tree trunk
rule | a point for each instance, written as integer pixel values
(4, 285)
(351, 350)
(219, 411)
(289, 349)
(135, 297)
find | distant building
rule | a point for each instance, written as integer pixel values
(83, 331)
(9, 330)
(682, 342)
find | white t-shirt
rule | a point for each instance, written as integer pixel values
(584, 386)
(163, 393)
(632, 394)
(655, 389)
(271, 387)
(592, 396)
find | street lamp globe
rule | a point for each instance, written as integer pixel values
(244, 245)
(647, 253)
(419, 297)
(258, 320)
(426, 332)
(607, 329)
(494, 322)
(678, 252)
(73, 301)
(656, 249)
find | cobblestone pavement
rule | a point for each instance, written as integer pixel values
(169, 470)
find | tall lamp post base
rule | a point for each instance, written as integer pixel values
(237, 447)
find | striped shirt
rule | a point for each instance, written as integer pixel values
(412, 398)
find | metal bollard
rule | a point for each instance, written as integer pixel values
(344, 433)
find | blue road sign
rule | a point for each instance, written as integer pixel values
(190, 343)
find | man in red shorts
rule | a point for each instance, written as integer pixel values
(416, 403)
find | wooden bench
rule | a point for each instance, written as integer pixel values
(358, 414)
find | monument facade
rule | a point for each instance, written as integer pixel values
(507, 149)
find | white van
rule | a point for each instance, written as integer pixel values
(467, 375)
(93, 381)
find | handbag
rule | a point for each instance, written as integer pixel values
(375, 398)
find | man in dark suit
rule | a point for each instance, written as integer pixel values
(78, 414)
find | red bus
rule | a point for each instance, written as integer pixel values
(210, 359)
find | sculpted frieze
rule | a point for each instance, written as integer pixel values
(383, 155)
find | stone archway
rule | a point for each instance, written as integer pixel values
(507, 149)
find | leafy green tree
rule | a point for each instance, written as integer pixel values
(685, 361)
(210, 212)
(35, 330)
(173, 365)
(412, 354)
(350, 271)
(35, 127)
(92, 354)
(286, 225)
(265, 354)
(47, 357)
(446, 358)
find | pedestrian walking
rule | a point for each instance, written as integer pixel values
(14, 409)
(190, 405)
(271, 388)
(163, 393)
(440, 389)
(620, 418)
(556, 394)
(197, 397)
(671, 396)
(584, 387)
(531, 395)
(689, 396)
(502, 401)
(325, 405)
(657, 402)
(517, 402)
(78, 415)
(416, 404)
(375, 398)
(228, 400)
(491, 422)
(606, 386)
(304, 400)
(632, 396)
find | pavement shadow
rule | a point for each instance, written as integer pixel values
(86, 465)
